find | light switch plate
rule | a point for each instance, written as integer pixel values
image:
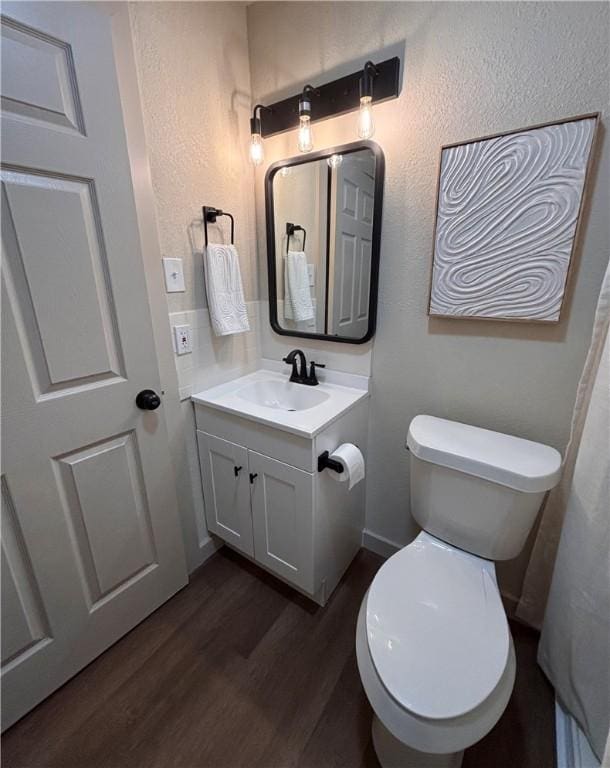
(174, 275)
(183, 339)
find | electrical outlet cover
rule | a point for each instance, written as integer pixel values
(183, 339)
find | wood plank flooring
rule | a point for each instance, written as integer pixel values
(239, 671)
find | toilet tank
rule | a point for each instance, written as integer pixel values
(477, 489)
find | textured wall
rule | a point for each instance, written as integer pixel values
(193, 71)
(194, 82)
(471, 69)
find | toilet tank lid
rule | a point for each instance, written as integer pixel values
(503, 459)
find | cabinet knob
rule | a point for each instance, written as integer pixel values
(237, 470)
(253, 476)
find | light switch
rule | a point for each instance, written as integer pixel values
(183, 339)
(174, 275)
(311, 271)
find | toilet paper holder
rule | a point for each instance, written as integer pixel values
(324, 462)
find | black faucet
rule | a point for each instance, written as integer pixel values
(291, 358)
(300, 376)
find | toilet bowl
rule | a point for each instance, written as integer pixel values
(434, 649)
(434, 653)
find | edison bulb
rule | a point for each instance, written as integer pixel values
(305, 138)
(366, 126)
(257, 154)
(334, 161)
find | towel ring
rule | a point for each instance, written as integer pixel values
(290, 230)
(210, 215)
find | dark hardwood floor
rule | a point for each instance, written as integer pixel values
(238, 670)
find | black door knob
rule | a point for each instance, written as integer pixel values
(148, 400)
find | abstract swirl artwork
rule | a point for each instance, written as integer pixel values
(507, 214)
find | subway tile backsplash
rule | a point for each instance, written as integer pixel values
(215, 359)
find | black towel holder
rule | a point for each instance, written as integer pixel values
(210, 215)
(290, 230)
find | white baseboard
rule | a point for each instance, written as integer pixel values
(207, 547)
(573, 750)
(379, 544)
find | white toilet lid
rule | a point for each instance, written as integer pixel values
(436, 628)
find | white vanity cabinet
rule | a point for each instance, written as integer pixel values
(259, 505)
(265, 497)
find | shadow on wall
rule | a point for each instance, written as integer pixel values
(324, 75)
(531, 331)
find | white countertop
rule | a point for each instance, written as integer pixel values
(306, 423)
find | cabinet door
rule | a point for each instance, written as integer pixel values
(224, 470)
(282, 516)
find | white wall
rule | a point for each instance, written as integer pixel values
(193, 70)
(470, 69)
(194, 83)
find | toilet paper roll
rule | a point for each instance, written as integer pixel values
(351, 459)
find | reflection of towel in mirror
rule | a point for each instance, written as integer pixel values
(224, 290)
(297, 296)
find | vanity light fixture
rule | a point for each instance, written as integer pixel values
(366, 125)
(257, 153)
(337, 97)
(305, 136)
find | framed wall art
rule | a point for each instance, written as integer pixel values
(507, 217)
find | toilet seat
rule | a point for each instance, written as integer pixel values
(436, 629)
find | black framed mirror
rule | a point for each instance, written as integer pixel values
(323, 213)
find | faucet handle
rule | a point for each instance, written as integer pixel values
(312, 379)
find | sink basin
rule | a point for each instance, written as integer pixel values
(267, 397)
(282, 395)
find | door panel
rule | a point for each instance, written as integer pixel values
(24, 622)
(224, 469)
(57, 264)
(346, 275)
(91, 541)
(39, 81)
(282, 516)
(103, 494)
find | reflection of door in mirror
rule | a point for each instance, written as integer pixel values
(300, 198)
(351, 235)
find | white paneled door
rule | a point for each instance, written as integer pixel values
(350, 269)
(91, 541)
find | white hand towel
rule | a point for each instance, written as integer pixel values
(225, 290)
(297, 296)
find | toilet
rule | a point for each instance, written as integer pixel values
(434, 649)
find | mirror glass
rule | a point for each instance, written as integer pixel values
(323, 222)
